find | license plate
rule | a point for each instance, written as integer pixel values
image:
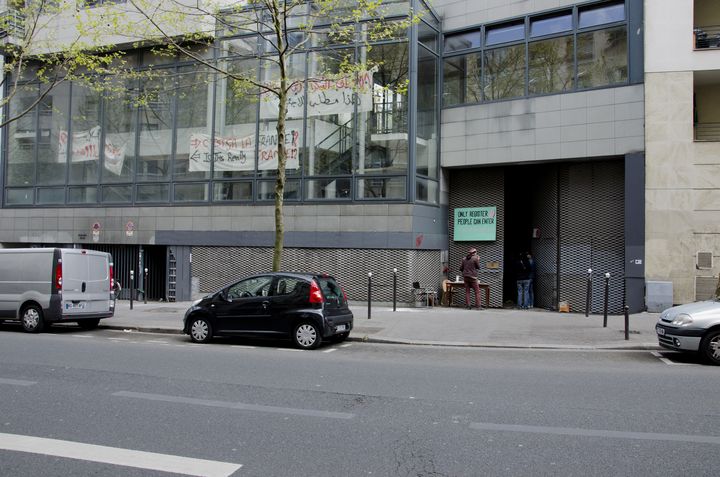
(341, 328)
(660, 331)
(75, 306)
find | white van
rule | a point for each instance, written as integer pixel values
(40, 286)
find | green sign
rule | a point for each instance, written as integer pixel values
(475, 223)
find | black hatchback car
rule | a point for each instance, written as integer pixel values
(307, 308)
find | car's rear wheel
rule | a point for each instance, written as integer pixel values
(307, 336)
(89, 324)
(710, 347)
(200, 330)
(32, 319)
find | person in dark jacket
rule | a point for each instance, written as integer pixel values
(469, 268)
(531, 286)
(522, 278)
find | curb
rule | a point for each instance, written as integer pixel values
(456, 344)
(145, 329)
(453, 344)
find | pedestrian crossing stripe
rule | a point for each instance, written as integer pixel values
(117, 456)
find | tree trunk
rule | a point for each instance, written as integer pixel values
(281, 150)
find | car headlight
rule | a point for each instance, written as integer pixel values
(682, 319)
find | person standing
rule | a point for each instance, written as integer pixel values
(531, 285)
(469, 268)
(522, 278)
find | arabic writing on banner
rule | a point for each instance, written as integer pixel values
(86, 147)
(238, 153)
(324, 97)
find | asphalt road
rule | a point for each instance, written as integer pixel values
(109, 403)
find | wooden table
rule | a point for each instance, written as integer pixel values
(451, 286)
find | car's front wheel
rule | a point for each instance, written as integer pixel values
(200, 330)
(32, 319)
(307, 336)
(710, 347)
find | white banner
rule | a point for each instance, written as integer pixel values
(86, 147)
(238, 153)
(324, 97)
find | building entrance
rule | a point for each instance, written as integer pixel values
(519, 204)
(137, 258)
(570, 217)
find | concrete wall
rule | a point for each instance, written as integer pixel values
(395, 226)
(669, 38)
(682, 196)
(707, 99)
(605, 122)
(682, 206)
(120, 24)
(462, 13)
(706, 13)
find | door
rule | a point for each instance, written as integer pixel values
(244, 307)
(86, 282)
(288, 295)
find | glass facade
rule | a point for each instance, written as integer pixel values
(569, 50)
(187, 134)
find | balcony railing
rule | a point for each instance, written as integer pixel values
(707, 37)
(12, 24)
(707, 131)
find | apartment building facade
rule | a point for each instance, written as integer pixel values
(521, 129)
(682, 146)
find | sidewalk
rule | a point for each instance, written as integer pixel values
(497, 328)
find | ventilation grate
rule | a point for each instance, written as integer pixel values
(704, 260)
(705, 288)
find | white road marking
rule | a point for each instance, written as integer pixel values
(119, 339)
(234, 405)
(289, 349)
(668, 361)
(157, 341)
(117, 456)
(330, 350)
(83, 336)
(346, 345)
(242, 346)
(17, 382)
(569, 431)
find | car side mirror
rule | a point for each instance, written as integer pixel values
(223, 295)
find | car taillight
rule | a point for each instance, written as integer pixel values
(316, 295)
(344, 294)
(58, 275)
(112, 278)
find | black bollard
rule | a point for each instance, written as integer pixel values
(607, 294)
(132, 287)
(369, 294)
(145, 286)
(627, 323)
(394, 289)
(589, 292)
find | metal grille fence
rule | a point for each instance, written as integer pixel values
(216, 267)
(479, 188)
(592, 234)
(544, 247)
(578, 210)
